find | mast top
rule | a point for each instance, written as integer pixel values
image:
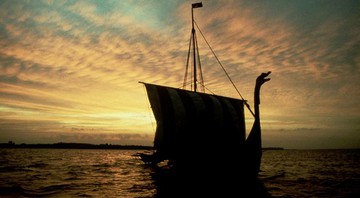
(197, 5)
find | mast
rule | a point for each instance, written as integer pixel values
(194, 5)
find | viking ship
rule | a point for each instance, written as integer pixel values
(198, 131)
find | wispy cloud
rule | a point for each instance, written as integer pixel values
(79, 62)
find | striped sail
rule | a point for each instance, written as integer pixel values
(196, 124)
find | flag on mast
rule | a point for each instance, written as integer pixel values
(197, 5)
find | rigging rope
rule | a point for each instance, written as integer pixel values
(187, 65)
(247, 105)
(201, 83)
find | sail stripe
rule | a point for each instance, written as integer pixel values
(236, 119)
(218, 111)
(187, 136)
(239, 108)
(198, 104)
(169, 121)
(179, 110)
(233, 116)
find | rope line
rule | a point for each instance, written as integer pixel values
(247, 105)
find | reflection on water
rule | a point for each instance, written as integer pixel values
(44, 172)
(312, 173)
(117, 173)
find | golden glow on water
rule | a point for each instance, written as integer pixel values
(117, 173)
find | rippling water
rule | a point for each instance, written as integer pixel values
(117, 173)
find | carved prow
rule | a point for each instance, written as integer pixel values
(253, 142)
(260, 80)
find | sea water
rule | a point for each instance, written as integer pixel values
(118, 173)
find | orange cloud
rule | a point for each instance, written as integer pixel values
(78, 63)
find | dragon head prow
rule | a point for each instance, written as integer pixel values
(262, 78)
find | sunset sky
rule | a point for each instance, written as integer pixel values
(69, 70)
